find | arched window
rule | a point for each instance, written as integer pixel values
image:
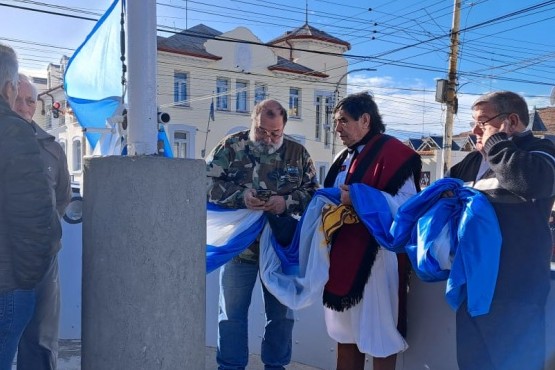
(76, 155)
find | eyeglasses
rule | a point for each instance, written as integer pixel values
(482, 124)
(273, 134)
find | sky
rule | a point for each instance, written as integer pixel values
(504, 45)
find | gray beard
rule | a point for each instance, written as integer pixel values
(262, 148)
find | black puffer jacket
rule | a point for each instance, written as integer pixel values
(29, 227)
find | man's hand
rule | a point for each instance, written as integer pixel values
(276, 205)
(447, 194)
(252, 202)
(345, 195)
(491, 130)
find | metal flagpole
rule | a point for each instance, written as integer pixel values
(210, 117)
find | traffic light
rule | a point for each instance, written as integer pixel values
(56, 109)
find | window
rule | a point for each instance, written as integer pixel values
(241, 88)
(323, 123)
(294, 102)
(318, 128)
(328, 122)
(180, 84)
(63, 145)
(260, 92)
(222, 89)
(76, 155)
(180, 141)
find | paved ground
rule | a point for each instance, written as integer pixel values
(70, 358)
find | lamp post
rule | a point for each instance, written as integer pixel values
(336, 94)
(336, 99)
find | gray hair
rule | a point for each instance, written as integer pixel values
(506, 102)
(269, 107)
(8, 66)
(26, 78)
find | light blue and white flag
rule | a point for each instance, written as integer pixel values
(92, 80)
(307, 285)
(229, 232)
(455, 238)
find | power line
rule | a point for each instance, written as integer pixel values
(385, 62)
(49, 12)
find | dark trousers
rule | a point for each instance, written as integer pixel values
(510, 337)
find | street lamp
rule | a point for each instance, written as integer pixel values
(336, 94)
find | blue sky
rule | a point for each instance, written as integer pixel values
(504, 44)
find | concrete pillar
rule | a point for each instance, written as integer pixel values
(144, 237)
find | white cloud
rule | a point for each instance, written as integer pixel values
(407, 105)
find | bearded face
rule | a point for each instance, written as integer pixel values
(262, 145)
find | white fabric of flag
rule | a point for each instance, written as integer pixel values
(229, 232)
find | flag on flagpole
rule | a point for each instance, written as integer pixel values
(92, 80)
(212, 110)
(165, 147)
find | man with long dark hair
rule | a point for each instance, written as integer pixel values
(362, 293)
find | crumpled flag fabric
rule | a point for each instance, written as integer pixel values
(306, 287)
(229, 232)
(454, 238)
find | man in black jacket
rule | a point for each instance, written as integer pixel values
(29, 226)
(516, 171)
(38, 347)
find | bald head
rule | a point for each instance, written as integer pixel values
(268, 121)
(268, 108)
(26, 102)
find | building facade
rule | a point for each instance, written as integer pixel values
(209, 81)
(201, 67)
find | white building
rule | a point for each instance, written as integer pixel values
(235, 70)
(303, 69)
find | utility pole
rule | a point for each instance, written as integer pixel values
(452, 101)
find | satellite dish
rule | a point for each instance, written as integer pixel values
(552, 96)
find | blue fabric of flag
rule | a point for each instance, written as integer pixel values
(239, 233)
(455, 237)
(449, 231)
(306, 285)
(163, 137)
(229, 232)
(289, 255)
(92, 80)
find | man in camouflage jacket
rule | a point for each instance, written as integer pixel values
(242, 167)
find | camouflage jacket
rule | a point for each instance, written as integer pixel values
(234, 166)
